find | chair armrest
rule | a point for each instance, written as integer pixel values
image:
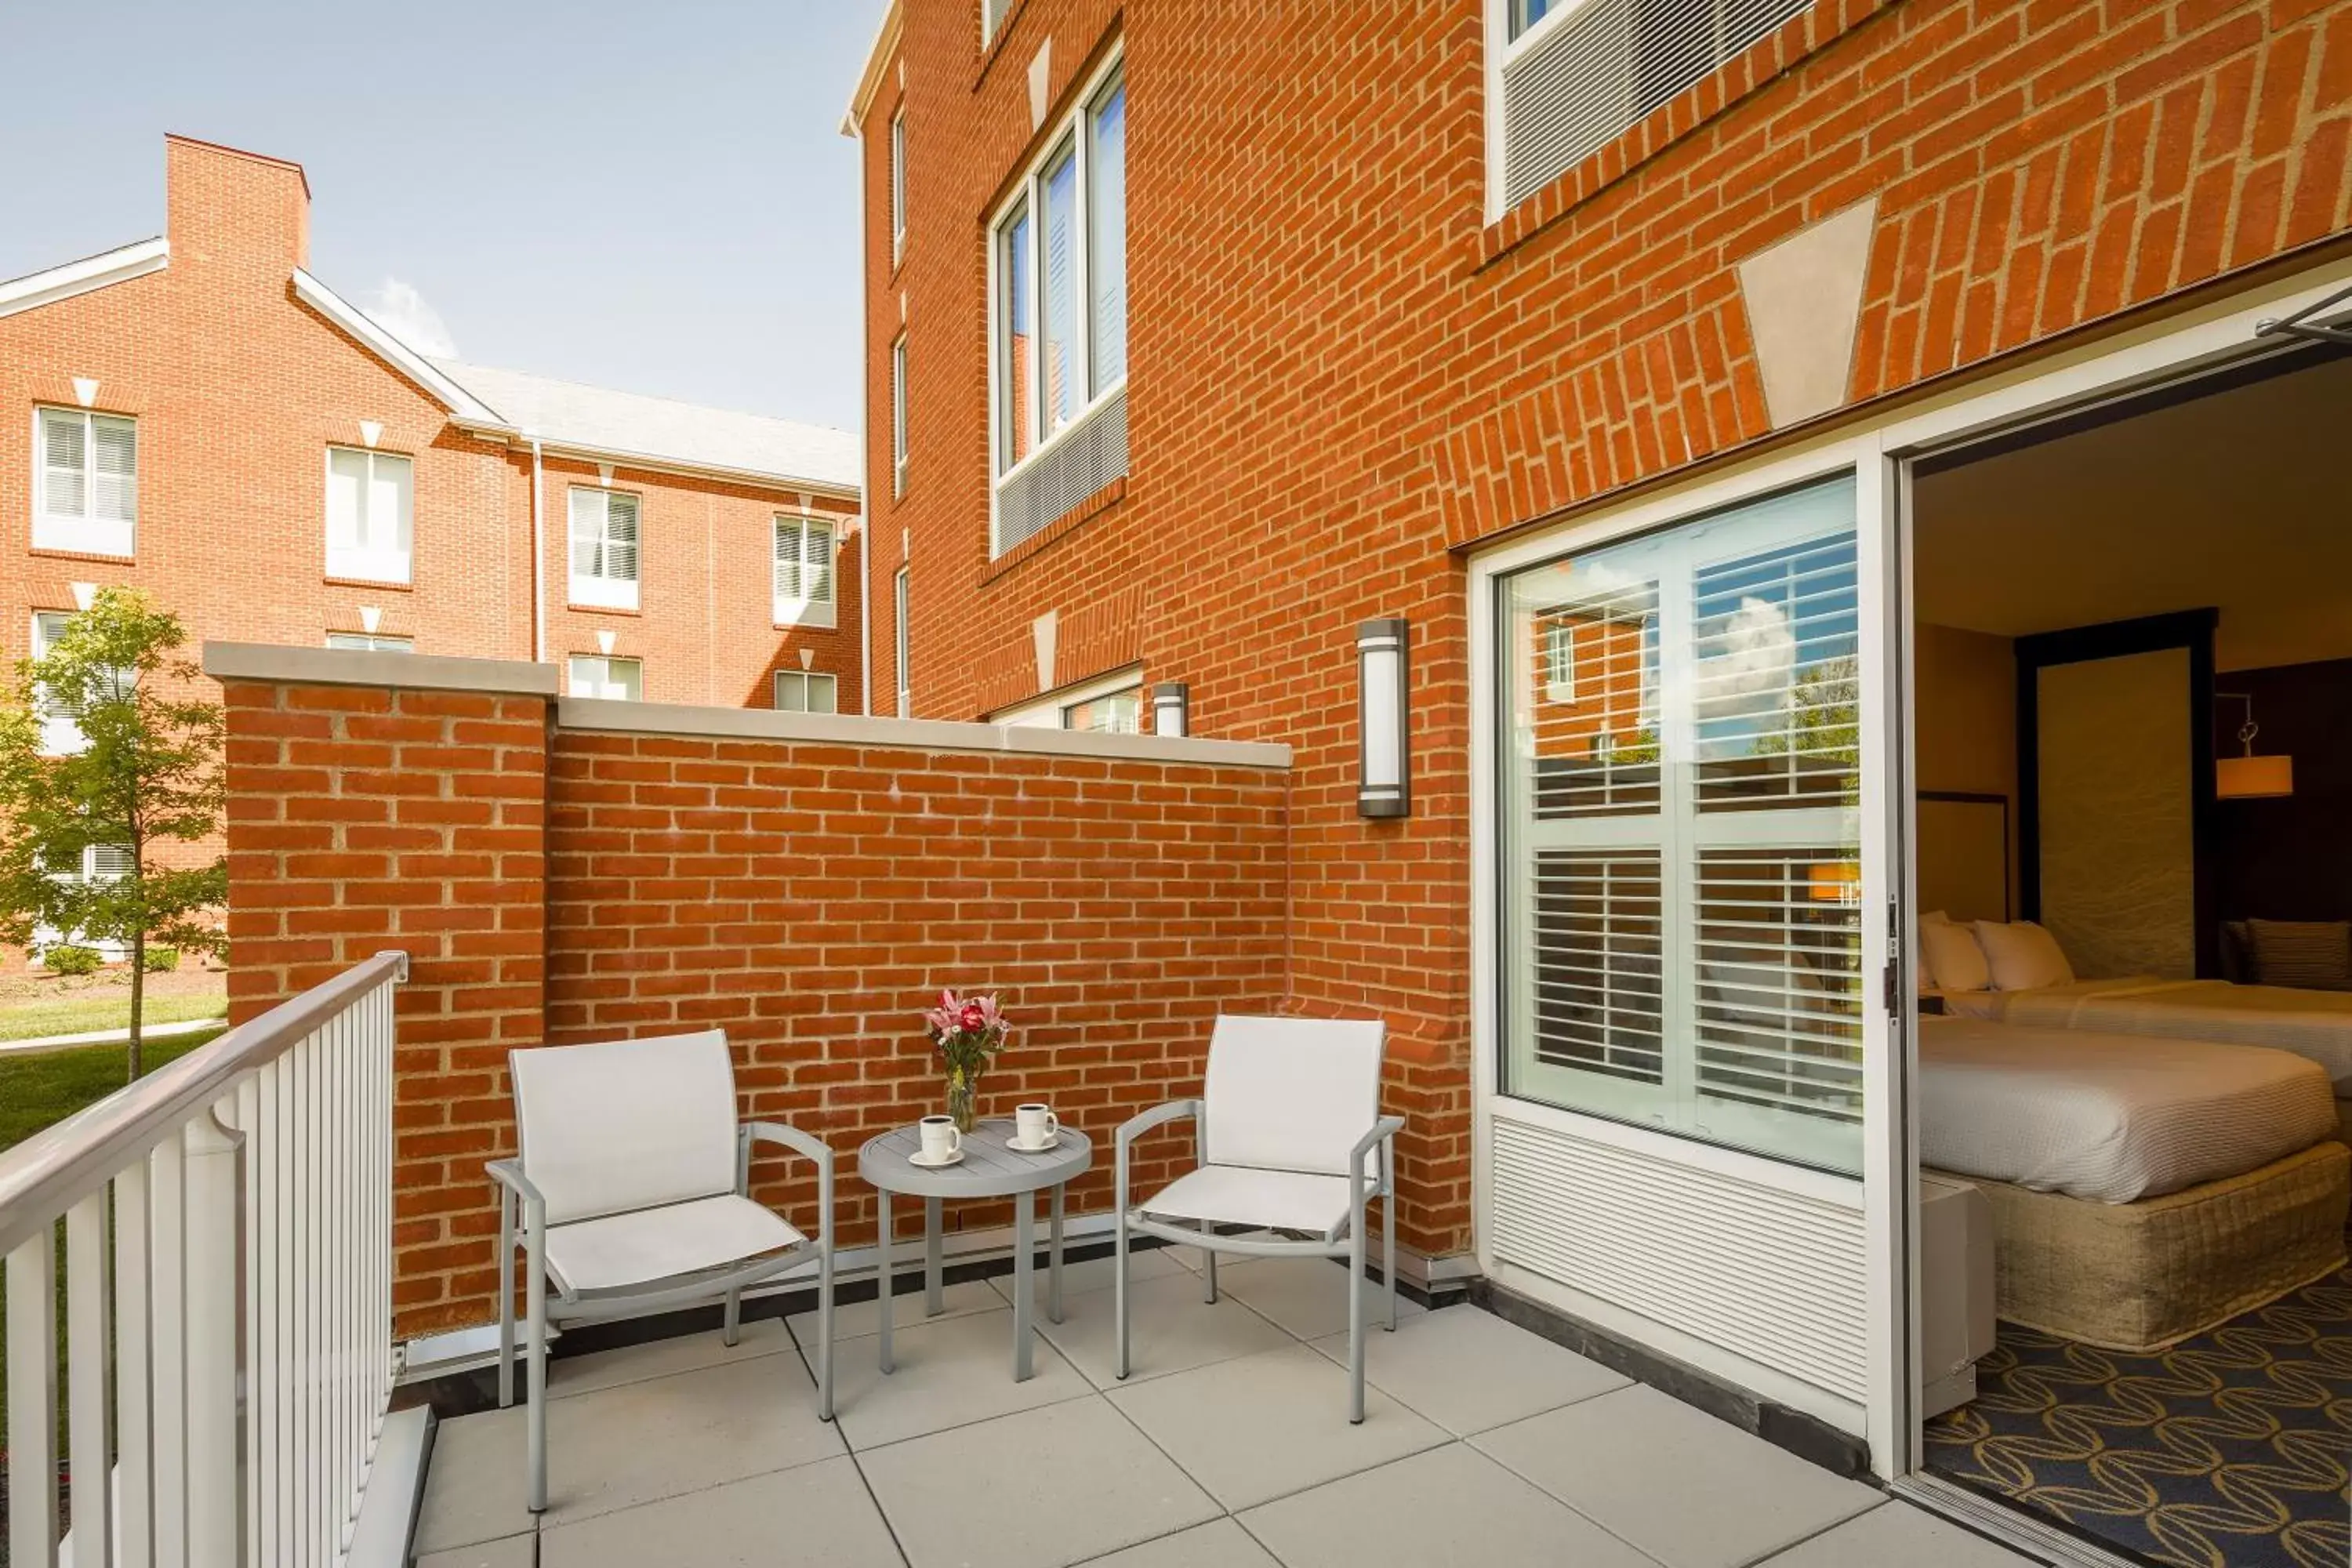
(1386, 1128)
(807, 1144)
(508, 1173)
(1135, 1126)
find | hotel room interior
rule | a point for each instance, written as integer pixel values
(2131, 708)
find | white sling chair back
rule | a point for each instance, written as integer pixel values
(1286, 1120)
(630, 1186)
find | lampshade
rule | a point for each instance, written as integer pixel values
(1383, 784)
(1833, 881)
(2254, 778)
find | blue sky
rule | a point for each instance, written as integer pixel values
(648, 196)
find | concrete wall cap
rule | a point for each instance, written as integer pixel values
(226, 661)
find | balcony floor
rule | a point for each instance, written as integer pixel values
(1229, 1446)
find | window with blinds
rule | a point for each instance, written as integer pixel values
(605, 548)
(802, 584)
(597, 675)
(805, 691)
(86, 482)
(1680, 817)
(898, 185)
(371, 642)
(369, 518)
(1577, 73)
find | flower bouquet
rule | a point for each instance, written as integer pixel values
(967, 1033)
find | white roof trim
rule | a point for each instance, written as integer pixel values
(120, 266)
(391, 350)
(646, 463)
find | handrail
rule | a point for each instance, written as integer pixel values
(48, 1172)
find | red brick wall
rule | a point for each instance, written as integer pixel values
(1339, 371)
(809, 898)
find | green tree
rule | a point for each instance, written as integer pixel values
(146, 775)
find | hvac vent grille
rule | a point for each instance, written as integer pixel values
(1770, 1275)
(1082, 460)
(1609, 63)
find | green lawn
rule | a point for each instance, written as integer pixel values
(81, 1015)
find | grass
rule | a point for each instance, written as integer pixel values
(31, 1020)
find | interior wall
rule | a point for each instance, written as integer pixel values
(2291, 858)
(1964, 700)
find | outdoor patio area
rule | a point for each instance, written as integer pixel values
(1483, 1444)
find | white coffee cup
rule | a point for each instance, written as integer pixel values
(941, 1141)
(1034, 1124)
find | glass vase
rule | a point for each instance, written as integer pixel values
(963, 1098)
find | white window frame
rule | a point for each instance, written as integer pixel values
(45, 937)
(87, 534)
(370, 562)
(371, 642)
(1069, 136)
(903, 645)
(807, 680)
(1052, 710)
(591, 674)
(898, 414)
(992, 19)
(898, 186)
(594, 590)
(61, 735)
(806, 609)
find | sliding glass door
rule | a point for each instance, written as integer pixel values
(1680, 830)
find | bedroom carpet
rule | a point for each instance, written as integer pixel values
(2226, 1451)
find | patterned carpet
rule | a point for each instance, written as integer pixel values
(2226, 1451)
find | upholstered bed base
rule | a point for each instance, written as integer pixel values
(2147, 1275)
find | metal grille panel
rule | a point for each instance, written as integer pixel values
(1082, 460)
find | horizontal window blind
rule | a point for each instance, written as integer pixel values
(1598, 954)
(1778, 714)
(1595, 732)
(604, 535)
(1779, 937)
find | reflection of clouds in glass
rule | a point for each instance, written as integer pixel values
(1746, 666)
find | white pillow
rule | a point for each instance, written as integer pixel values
(1953, 959)
(2023, 956)
(1935, 917)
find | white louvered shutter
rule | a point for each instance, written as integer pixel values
(65, 457)
(115, 442)
(816, 560)
(388, 523)
(787, 584)
(621, 538)
(347, 479)
(109, 862)
(587, 533)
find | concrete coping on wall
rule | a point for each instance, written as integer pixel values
(281, 664)
(614, 717)
(272, 663)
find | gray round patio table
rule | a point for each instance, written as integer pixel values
(991, 1168)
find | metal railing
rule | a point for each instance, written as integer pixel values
(226, 1265)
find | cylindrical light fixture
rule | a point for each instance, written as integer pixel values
(1383, 781)
(1171, 709)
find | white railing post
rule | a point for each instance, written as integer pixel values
(168, 1348)
(89, 1409)
(33, 1402)
(215, 1227)
(134, 1328)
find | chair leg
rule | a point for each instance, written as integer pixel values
(731, 1332)
(505, 1299)
(1356, 1321)
(1388, 1253)
(535, 1497)
(825, 1329)
(1119, 1278)
(1208, 1268)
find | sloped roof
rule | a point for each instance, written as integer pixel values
(624, 425)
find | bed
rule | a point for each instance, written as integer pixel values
(2143, 1190)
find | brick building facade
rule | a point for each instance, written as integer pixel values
(270, 434)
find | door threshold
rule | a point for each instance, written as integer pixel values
(2010, 1526)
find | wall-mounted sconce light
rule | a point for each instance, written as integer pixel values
(1171, 709)
(2250, 777)
(1383, 782)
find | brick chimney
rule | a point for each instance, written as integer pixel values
(236, 209)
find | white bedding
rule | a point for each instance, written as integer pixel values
(2111, 1118)
(2313, 1025)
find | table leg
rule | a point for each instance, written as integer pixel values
(882, 1269)
(934, 1300)
(1054, 1264)
(1025, 1223)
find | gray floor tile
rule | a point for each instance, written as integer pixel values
(1043, 1488)
(1256, 1428)
(1635, 1461)
(860, 1318)
(1468, 1370)
(1451, 1506)
(568, 1375)
(1095, 1274)
(507, 1551)
(1307, 1296)
(1898, 1533)
(951, 1372)
(1172, 1330)
(1220, 1544)
(817, 1513)
(619, 1446)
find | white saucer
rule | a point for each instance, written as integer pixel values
(1018, 1147)
(917, 1159)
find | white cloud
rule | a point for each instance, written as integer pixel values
(400, 310)
(1749, 663)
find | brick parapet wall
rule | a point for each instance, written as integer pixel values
(567, 871)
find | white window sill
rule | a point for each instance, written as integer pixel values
(817, 613)
(603, 593)
(83, 536)
(369, 566)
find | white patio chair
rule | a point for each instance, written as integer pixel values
(1286, 1117)
(631, 1183)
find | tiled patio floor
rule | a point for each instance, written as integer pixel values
(1230, 1444)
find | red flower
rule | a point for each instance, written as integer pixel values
(972, 1018)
